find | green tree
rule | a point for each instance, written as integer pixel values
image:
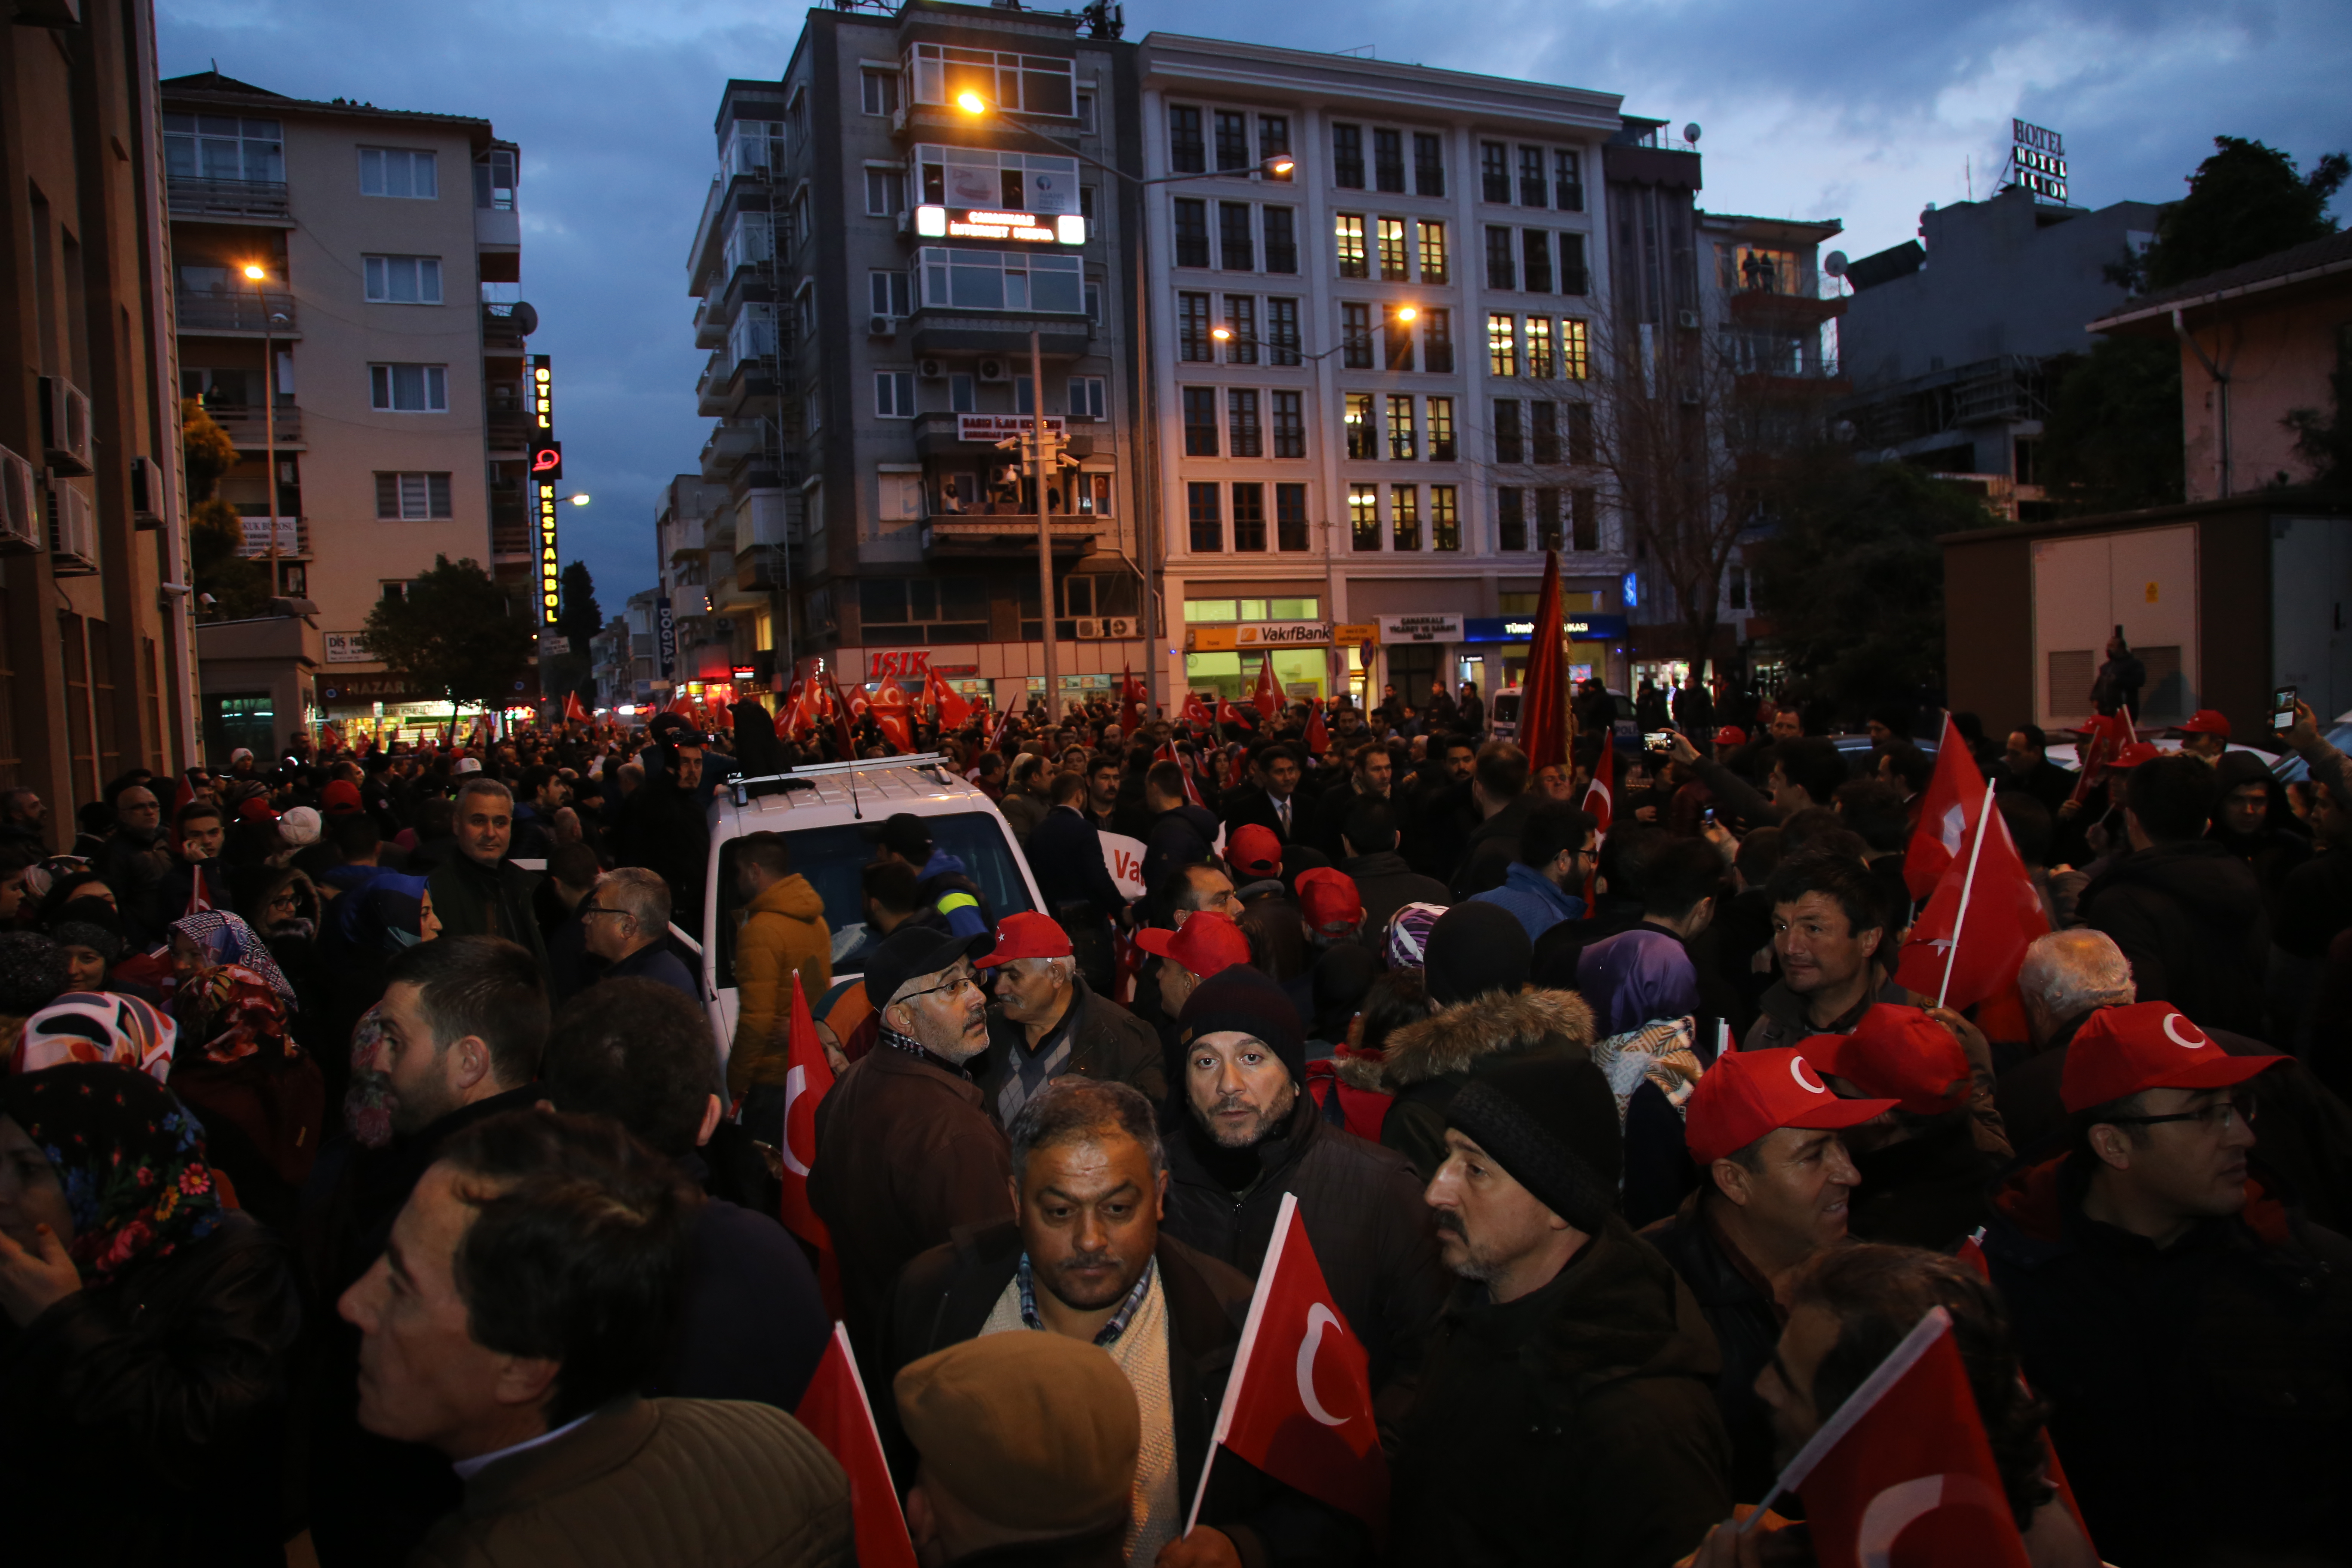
(238, 585)
(1851, 578)
(2245, 202)
(2112, 441)
(578, 621)
(456, 633)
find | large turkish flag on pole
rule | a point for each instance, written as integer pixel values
(836, 1413)
(1543, 689)
(1969, 941)
(1298, 1404)
(1948, 816)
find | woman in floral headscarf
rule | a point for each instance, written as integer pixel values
(99, 1027)
(146, 1334)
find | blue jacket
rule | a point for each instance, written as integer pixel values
(1533, 901)
(943, 884)
(656, 963)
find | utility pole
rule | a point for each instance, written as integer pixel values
(1039, 466)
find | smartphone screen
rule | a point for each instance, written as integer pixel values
(2283, 708)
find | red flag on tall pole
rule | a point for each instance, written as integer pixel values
(574, 713)
(1543, 692)
(1129, 714)
(1228, 714)
(1298, 1404)
(836, 1413)
(1969, 941)
(1020, 701)
(1948, 816)
(1268, 694)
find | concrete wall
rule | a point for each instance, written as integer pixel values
(2278, 359)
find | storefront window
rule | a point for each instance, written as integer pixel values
(1235, 675)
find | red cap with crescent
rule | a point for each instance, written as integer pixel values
(2149, 1045)
(1748, 1094)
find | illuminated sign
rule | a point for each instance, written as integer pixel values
(542, 395)
(1518, 628)
(547, 459)
(1003, 427)
(2037, 160)
(546, 468)
(935, 222)
(551, 596)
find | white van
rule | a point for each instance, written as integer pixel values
(824, 813)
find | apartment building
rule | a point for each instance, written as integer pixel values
(96, 655)
(380, 360)
(871, 264)
(1374, 369)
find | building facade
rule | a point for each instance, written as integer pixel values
(96, 659)
(380, 359)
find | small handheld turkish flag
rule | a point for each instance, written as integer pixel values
(1228, 714)
(808, 1078)
(1902, 1475)
(1197, 712)
(890, 712)
(1268, 695)
(1167, 754)
(1969, 941)
(836, 1413)
(1298, 1404)
(1319, 738)
(1599, 804)
(1948, 816)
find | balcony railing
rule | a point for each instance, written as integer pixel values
(504, 325)
(509, 430)
(237, 312)
(244, 426)
(189, 197)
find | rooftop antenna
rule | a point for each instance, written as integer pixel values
(1690, 133)
(1834, 264)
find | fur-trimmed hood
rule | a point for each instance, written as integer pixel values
(1459, 1037)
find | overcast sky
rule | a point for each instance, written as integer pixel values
(1858, 110)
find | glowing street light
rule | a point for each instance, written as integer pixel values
(971, 104)
(578, 497)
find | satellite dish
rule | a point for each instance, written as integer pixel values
(1690, 133)
(1834, 264)
(526, 320)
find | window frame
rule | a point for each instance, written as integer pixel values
(1444, 518)
(1401, 428)
(1244, 433)
(899, 402)
(431, 378)
(1356, 414)
(373, 264)
(1346, 156)
(1502, 259)
(1510, 432)
(1281, 252)
(1189, 231)
(870, 79)
(1347, 245)
(1248, 500)
(1364, 514)
(1202, 438)
(431, 163)
(1503, 344)
(1290, 516)
(1429, 162)
(1211, 517)
(1404, 517)
(433, 490)
(1286, 423)
(1437, 419)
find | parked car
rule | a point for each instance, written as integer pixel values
(1503, 715)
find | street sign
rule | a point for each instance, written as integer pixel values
(1419, 628)
(1368, 632)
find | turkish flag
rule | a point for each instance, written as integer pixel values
(1298, 1404)
(1167, 754)
(1947, 814)
(1908, 1480)
(2103, 737)
(891, 712)
(1130, 710)
(574, 713)
(842, 714)
(1268, 695)
(1196, 711)
(1600, 803)
(1228, 714)
(1020, 701)
(1319, 738)
(1971, 1254)
(836, 1413)
(1543, 689)
(808, 1078)
(1969, 941)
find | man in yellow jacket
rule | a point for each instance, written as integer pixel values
(783, 933)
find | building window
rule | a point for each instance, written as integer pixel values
(1404, 517)
(1547, 518)
(1580, 433)
(1500, 271)
(398, 171)
(1273, 139)
(1208, 523)
(1282, 331)
(1233, 141)
(1510, 518)
(1290, 425)
(1191, 232)
(1290, 517)
(1540, 365)
(889, 294)
(1193, 343)
(1567, 182)
(1437, 342)
(1093, 492)
(1574, 363)
(1428, 164)
(1241, 315)
(885, 192)
(1019, 84)
(1238, 249)
(409, 388)
(1536, 243)
(1400, 432)
(1281, 240)
(1433, 252)
(1358, 416)
(1200, 421)
(1387, 160)
(1495, 172)
(1444, 518)
(963, 397)
(1003, 280)
(1347, 233)
(894, 394)
(1584, 516)
(1395, 264)
(1186, 154)
(1088, 397)
(1240, 421)
(1364, 515)
(412, 497)
(1400, 338)
(1249, 518)
(221, 147)
(1502, 345)
(1348, 156)
(878, 91)
(1543, 431)
(494, 180)
(1510, 447)
(402, 279)
(1532, 191)
(1572, 277)
(1441, 429)
(1094, 303)
(1356, 333)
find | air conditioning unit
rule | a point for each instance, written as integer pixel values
(991, 367)
(20, 516)
(1105, 629)
(1089, 629)
(73, 533)
(148, 507)
(931, 369)
(1117, 627)
(65, 425)
(881, 326)
(1687, 320)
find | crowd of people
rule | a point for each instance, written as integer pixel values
(370, 1196)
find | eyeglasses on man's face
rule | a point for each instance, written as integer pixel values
(2212, 1118)
(954, 987)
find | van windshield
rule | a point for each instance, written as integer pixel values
(832, 858)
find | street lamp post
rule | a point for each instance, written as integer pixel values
(258, 275)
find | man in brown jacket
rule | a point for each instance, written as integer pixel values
(904, 1152)
(531, 1278)
(783, 934)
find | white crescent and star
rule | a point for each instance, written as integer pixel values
(1898, 1507)
(1803, 1071)
(1318, 1318)
(795, 1085)
(2197, 1043)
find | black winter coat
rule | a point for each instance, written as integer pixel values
(2189, 918)
(1108, 1043)
(1386, 883)
(1184, 837)
(1746, 1321)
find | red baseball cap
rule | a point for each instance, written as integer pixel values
(1253, 848)
(1327, 896)
(2132, 755)
(1898, 1053)
(2149, 1045)
(1026, 935)
(1206, 943)
(1731, 735)
(2206, 722)
(1748, 1094)
(341, 798)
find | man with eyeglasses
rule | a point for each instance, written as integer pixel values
(2192, 1330)
(624, 921)
(904, 1151)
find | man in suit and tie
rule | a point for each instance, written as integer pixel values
(1276, 806)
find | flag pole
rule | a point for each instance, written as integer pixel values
(1266, 1276)
(1900, 1360)
(1968, 885)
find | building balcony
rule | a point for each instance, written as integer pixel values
(1811, 377)
(245, 426)
(189, 197)
(237, 312)
(504, 327)
(508, 430)
(726, 387)
(1010, 536)
(1770, 308)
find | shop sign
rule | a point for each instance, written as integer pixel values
(1004, 426)
(1418, 628)
(897, 663)
(1268, 634)
(347, 647)
(1368, 632)
(1520, 629)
